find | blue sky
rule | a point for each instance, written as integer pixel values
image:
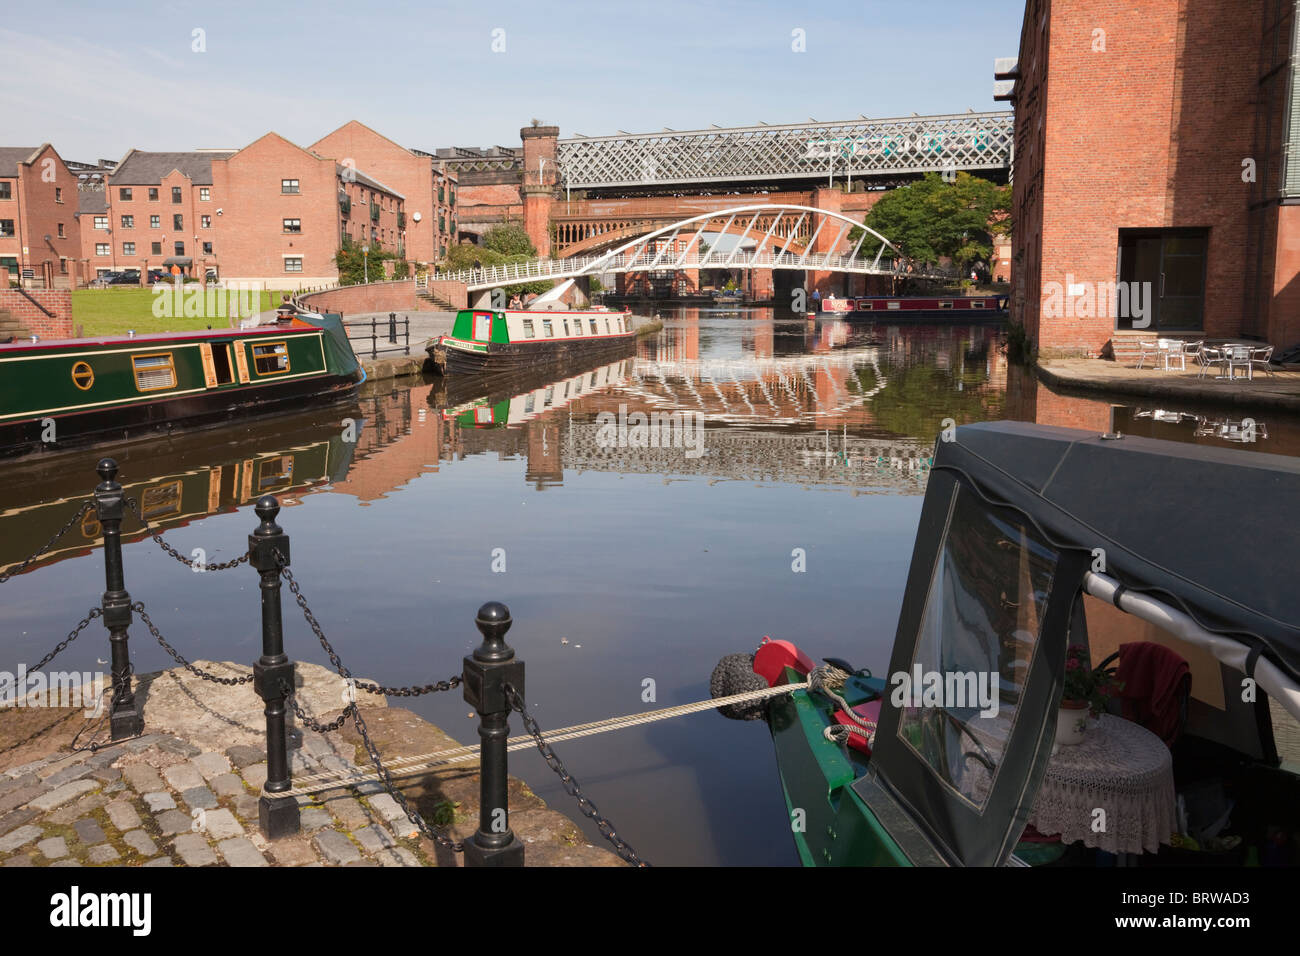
(95, 80)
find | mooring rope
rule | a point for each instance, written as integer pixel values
(419, 763)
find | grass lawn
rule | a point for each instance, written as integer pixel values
(114, 311)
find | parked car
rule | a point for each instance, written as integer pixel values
(125, 278)
(157, 275)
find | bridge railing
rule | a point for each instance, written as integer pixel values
(514, 272)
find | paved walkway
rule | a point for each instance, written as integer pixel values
(1280, 390)
(187, 793)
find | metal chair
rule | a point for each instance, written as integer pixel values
(1238, 356)
(1207, 357)
(1263, 357)
(1147, 348)
(1171, 350)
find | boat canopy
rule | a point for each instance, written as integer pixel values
(1020, 520)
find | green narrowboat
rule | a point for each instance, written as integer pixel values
(60, 394)
(1032, 539)
(486, 341)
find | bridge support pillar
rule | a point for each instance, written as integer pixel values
(538, 200)
(480, 299)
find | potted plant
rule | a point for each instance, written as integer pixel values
(1085, 693)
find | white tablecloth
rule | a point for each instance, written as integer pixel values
(1120, 768)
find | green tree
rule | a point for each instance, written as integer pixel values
(466, 255)
(509, 240)
(931, 219)
(353, 264)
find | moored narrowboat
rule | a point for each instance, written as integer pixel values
(495, 341)
(944, 758)
(896, 308)
(59, 394)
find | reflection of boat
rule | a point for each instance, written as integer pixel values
(283, 455)
(63, 393)
(728, 295)
(485, 341)
(1002, 579)
(884, 308)
(512, 400)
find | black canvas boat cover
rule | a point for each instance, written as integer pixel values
(1214, 531)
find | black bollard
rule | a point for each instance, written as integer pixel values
(392, 328)
(277, 816)
(487, 671)
(125, 719)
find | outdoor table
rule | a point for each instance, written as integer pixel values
(1121, 768)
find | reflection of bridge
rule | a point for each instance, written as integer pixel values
(776, 390)
(766, 236)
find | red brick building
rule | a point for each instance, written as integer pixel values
(39, 236)
(157, 210)
(283, 212)
(1150, 191)
(429, 191)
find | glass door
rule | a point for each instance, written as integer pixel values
(1164, 271)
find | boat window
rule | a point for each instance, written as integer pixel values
(528, 329)
(550, 395)
(945, 303)
(546, 327)
(577, 326)
(566, 326)
(161, 501)
(988, 594)
(892, 305)
(83, 376)
(593, 327)
(271, 358)
(865, 305)
(153, 372)
(592, 383)
(977, 303)
(274, 472)
(530, 402)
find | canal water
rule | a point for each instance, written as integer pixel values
(630, 569)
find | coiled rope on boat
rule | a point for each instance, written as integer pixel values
(420, 763)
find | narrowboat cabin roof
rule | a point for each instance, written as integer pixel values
(156, 337)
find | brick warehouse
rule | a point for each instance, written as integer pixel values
(38, 225)
(1149, 148)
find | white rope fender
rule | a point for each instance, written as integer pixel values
(419, 763)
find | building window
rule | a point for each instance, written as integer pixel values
(58, 194)
(204, 193)
(101, 249)
(155, 248)
(153, 372)
(124, 194)
(62, 234)
(63, 265)
(289, 186)
(153, 193)
(6, 190)
(176, 194)
(442, 194)
(128, 248)
(207, 248)
(179, 248)
(293, 225)
(101, 222)
(178, 221)
(128, 222)
(271, 358)
(293, 263)
(205, 222)
(155, 222)
(6, 228)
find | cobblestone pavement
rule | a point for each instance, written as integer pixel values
(162, 800)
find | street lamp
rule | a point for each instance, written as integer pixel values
(365, 262)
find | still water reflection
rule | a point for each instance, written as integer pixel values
(620, 563)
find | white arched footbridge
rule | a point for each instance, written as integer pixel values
(765, 236)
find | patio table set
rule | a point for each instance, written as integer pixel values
(1227, 357)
